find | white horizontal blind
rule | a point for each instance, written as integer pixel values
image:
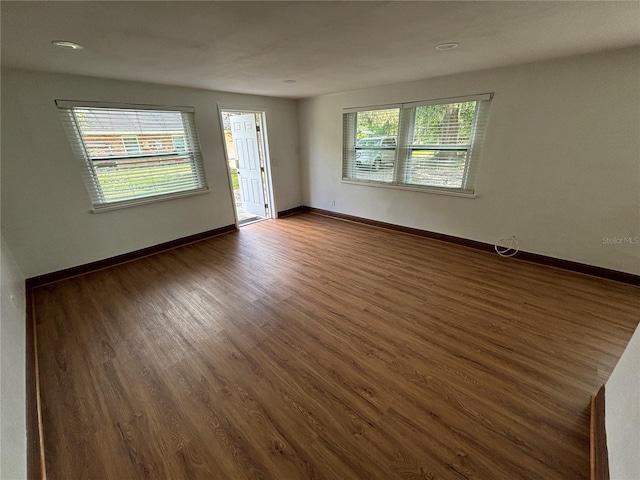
(134, 155)
(437, 143)
(349, 136)
(440, 144)
(369, 149)
(477, 142)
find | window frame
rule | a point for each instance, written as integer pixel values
(404, 145)
(67, 112)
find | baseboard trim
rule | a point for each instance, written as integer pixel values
(569, 265)
(59, 275)
(598, 454)
(291, 211)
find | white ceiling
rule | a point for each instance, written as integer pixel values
(251, 47)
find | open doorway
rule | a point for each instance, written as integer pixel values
(246, 145)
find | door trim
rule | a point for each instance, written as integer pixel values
(264, 139)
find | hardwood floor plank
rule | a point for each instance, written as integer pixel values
(311, 347)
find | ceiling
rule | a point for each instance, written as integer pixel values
(326, 47)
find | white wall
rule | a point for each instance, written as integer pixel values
(560, 166)
(45, 206)
(622, 414)
(13, 434)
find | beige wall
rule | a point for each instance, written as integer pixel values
(45, 206)
(560, 167)
(13, 435)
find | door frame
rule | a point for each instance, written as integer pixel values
(264, 140)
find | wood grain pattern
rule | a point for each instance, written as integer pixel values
(35, 445)
(311, 347)
(601, 272)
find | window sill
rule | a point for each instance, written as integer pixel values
(395, 186)
(146, 200)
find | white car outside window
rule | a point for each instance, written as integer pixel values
(376, 152)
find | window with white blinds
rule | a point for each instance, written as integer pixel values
(134, 154)
(432, 145)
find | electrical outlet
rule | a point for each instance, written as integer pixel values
(333, 202)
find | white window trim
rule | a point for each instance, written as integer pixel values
(132, 106)
(80, 151)
(416, 188)
(403, 146)
(147, 200)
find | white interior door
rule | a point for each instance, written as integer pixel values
(245, 142)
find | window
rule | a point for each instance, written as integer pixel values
(178, 143)
(431, 145)
(134, 155)
(131, 145)
(376, 134)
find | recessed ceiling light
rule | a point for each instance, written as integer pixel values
(289, 81)
(65, 44)
(447, 46)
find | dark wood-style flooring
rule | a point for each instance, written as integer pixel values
(310, 347)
